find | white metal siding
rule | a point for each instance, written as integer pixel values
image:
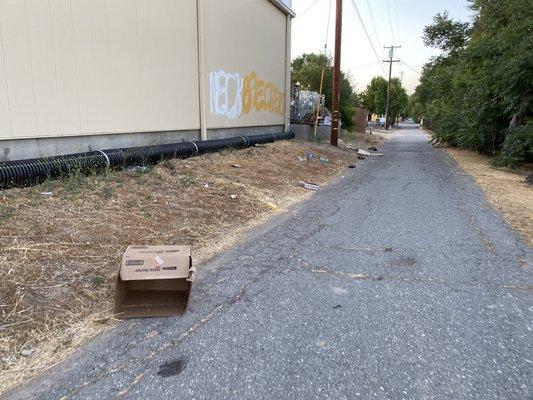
(71, 67)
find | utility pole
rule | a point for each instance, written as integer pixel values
(401, 78)
(390, 61)
(335, 101)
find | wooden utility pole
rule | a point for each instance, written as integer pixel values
(335, 101)
(390, 61)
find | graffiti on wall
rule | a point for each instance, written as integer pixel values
(233, 95)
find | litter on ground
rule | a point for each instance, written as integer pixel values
(309, 185)
(69, 245)
(362, 152)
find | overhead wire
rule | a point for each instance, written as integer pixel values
(364, 65)
(390, 22)
(408, 66)
(397, 21)
(327, 28)
(373, 22)
(368, 37)
(307, 9)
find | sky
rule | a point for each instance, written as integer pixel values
(405, 26)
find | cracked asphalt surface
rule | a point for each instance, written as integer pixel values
(396, 282)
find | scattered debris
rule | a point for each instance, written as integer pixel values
(361, 157)
(529, 179)
(388, 248)
(372, 148)
(137, 169)
(324, 160)
(236, 165)
(260, 145)
(82, 233)
(351, 147)
(171, 368)
(206, 185)
(337, 306)
(233, 196)
(272, 206)
(301, 158)
(310, 156)
(367, 153)
(46, 194)
(26, 352)
(351, 166)
(309, 185)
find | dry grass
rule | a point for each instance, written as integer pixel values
(60, 253)
(505, 189)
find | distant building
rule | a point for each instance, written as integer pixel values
(79, 75)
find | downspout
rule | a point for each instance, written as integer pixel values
(200, 35)
(288, 73)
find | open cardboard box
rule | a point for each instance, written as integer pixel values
(153, 281)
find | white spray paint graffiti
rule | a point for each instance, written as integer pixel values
(226, 94)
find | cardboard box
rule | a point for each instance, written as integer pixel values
(153, 281)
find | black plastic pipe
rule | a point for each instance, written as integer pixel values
(37, 170)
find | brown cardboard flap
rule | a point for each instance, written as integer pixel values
(156, 298)
(156, 262)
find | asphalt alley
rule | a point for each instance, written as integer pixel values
(396, 282)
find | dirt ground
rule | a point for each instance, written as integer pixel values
(505, 189)
(60, 251)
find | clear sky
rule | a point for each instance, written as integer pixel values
(407, 21)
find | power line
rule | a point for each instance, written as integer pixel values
(327, 28)
(307, 9)
(397, 20)
(373, 23)
(364, 65)
(390, 21)
(368, 37)
(414, 69)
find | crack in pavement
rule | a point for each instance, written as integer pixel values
(358, 276)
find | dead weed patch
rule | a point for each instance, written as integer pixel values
(505, 189)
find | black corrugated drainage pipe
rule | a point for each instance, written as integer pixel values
(37, 170)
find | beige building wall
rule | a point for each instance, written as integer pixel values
(74, 67)
(244, 63)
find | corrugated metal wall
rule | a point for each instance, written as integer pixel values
(76, 67)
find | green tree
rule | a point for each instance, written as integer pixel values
(307, 70)
(446, 34)
(478, 93)
(375, 98)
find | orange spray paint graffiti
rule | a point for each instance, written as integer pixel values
(233, 95)
(261, 96)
